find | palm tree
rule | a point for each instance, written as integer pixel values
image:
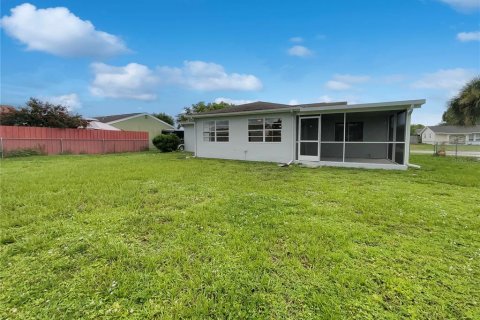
(464, 109)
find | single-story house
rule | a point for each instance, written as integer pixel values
(137, 122)
(451, 134)
(94, 124)
(4, 109)
(370, 135)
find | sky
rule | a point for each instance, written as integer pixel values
(114, 57)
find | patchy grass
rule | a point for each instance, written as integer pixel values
(157, 235)
(429, 147)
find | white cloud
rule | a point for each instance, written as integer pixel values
(345, 81)
(133, 81)
(299, 51)
(59, 32)
(469, 36)
(325, 98)
(463, 5)
(293, 102)
(71, 101)
(232, 101)
(337, 85)
(445, 79)
(348, 78)
(200, 75)
(296, 39)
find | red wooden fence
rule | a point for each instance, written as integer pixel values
(55, 141)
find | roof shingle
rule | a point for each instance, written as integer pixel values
(455, 129)
(115, 117)
(254, 106)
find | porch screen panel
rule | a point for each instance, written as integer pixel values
(309, 148)
(401, 122)
(309, 129)
(399, 153)
(331, 143)
(375, 137)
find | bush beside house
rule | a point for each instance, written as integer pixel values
(166, 142)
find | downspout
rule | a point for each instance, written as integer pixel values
(294, 139)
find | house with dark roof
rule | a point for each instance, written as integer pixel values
(370, 135)
(137, 122)
(451, 135)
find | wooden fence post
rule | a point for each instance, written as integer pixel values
(61, 145)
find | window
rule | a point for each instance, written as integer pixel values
(265, 130)
(354, 131)
(470, 137)
(216, 131)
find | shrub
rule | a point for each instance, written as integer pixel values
(23, 153)
(166, 142)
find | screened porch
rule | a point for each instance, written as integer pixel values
(376, 138)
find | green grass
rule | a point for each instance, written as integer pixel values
(429, 147)
(153, 235)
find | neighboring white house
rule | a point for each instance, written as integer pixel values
(451, 134)
(373, 135)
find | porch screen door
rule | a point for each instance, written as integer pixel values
(309, 148)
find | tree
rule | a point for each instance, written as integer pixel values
(464, 109)
(164, 117)
(201, 107)
(415, 127)
(43, 114)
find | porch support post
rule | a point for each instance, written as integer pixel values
(406, 151)
(394, 145)
(295, 135)
(344, 130)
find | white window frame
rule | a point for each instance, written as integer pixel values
(206, 138)
(264, 130)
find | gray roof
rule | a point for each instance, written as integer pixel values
(116, 117)
(261, 105)
(254, 106)
(455, 129)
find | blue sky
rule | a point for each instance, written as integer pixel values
(110, 57)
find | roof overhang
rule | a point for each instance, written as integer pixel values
(229, 114)
(365, 107)
(306, 109)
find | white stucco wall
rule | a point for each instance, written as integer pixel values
(189, 137)
(238, 147)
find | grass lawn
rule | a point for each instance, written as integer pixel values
(157, 235)
(429, 147)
